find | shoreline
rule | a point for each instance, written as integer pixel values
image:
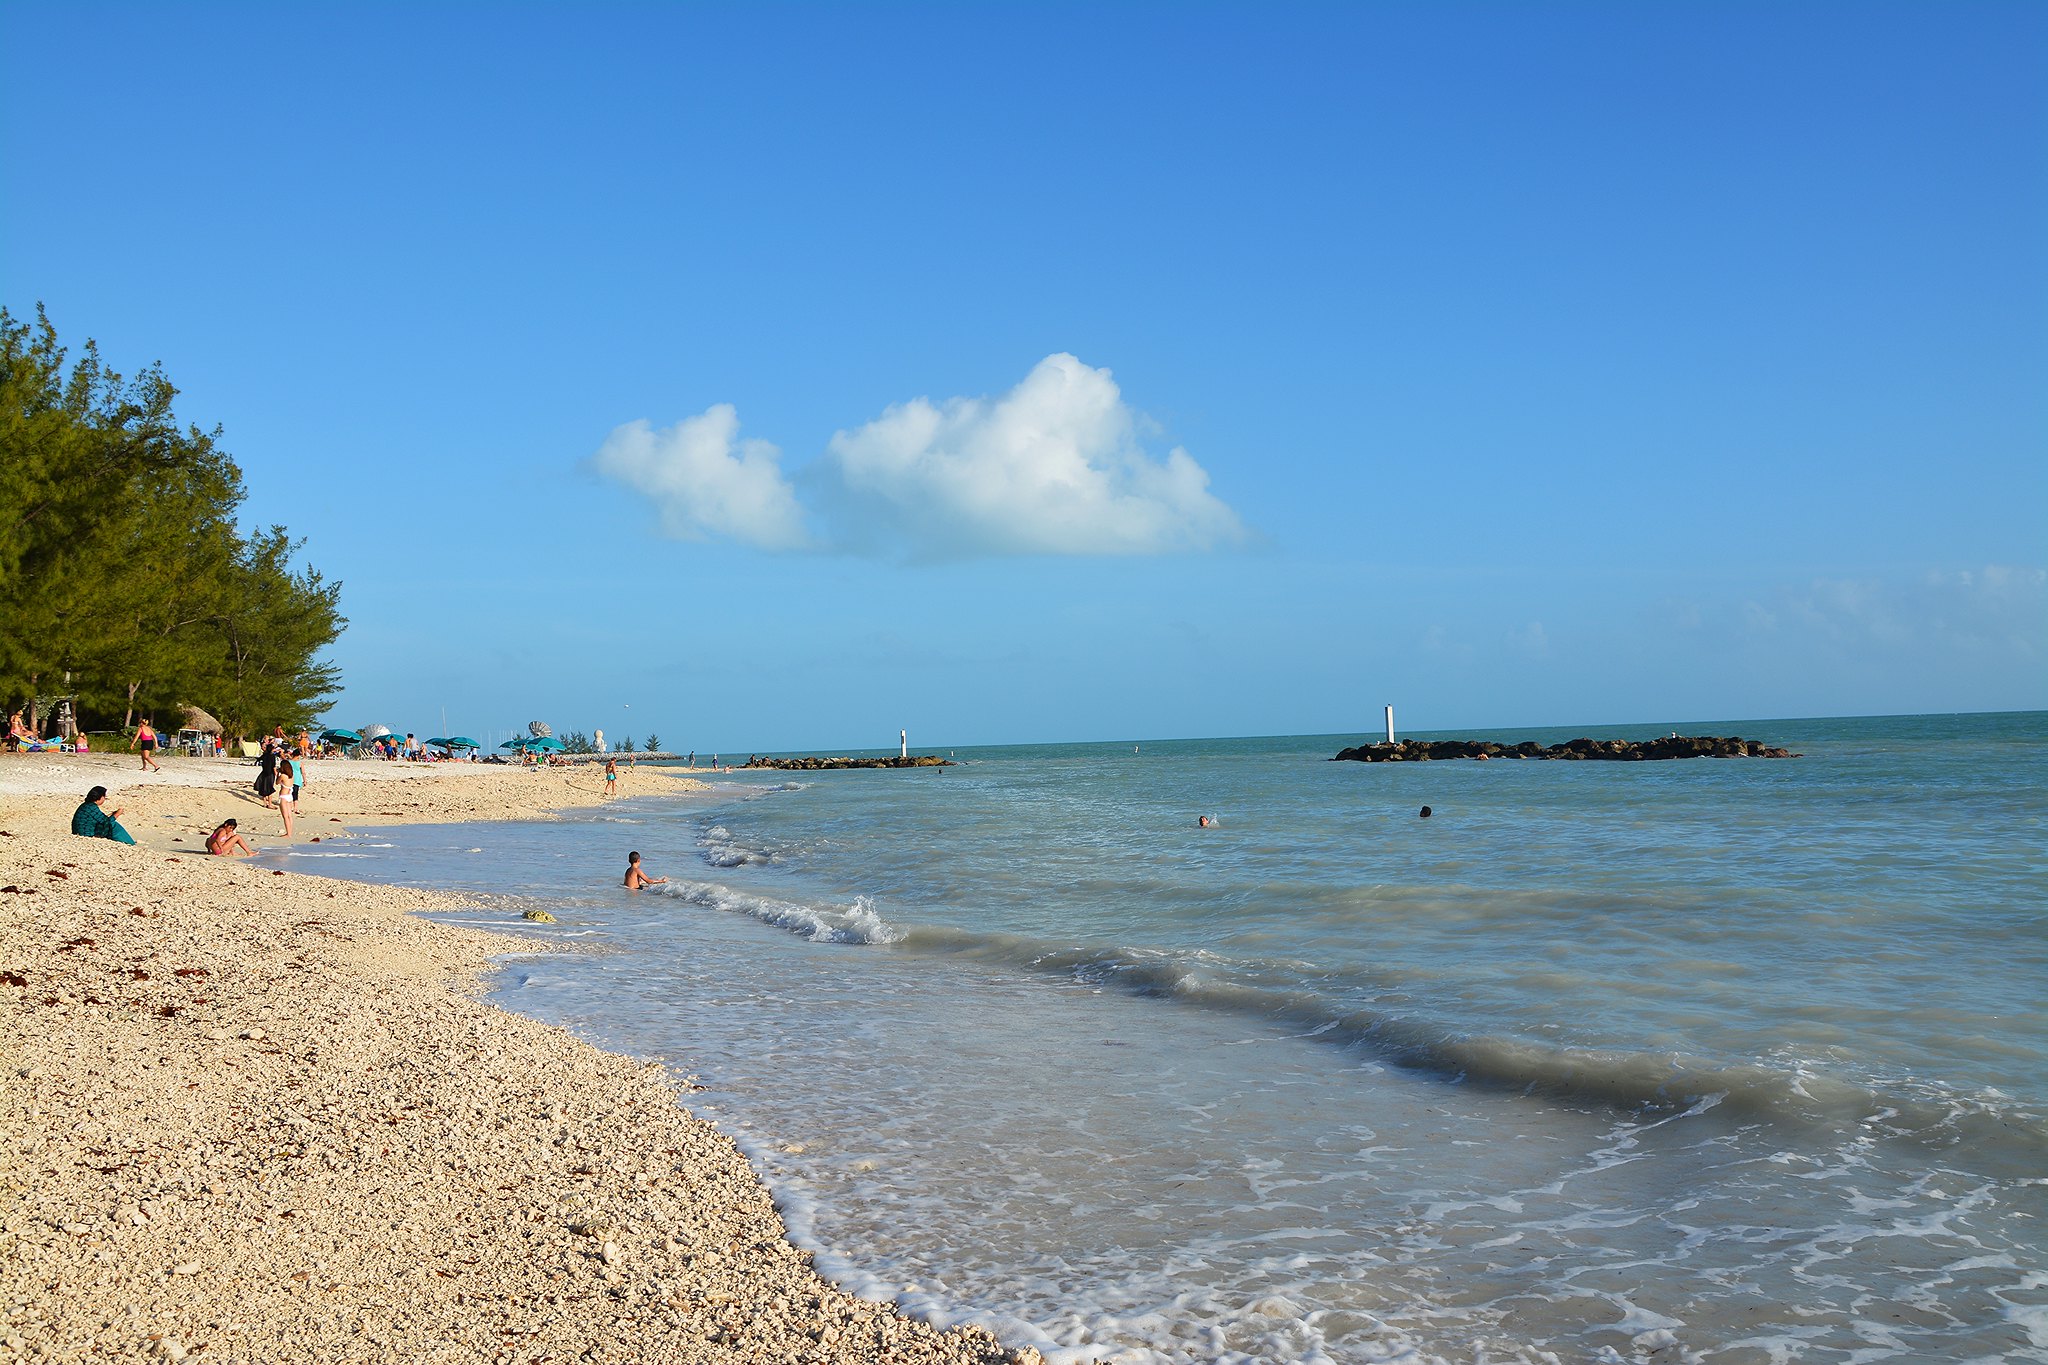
(259, 1115)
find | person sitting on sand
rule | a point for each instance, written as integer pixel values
(227, 840)
(93, 820)
(635, 878)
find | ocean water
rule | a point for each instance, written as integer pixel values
(1708, 1060)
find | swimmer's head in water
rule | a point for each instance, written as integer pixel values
(1425, 812)
(632, 857)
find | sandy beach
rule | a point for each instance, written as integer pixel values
(258, 1116)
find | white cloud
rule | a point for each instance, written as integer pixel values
(705, 481)
(1054, 466)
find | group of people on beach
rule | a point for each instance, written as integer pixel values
(22, 737)
(92, 820)
(280, 778)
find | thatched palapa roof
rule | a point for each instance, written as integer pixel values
(192, 718)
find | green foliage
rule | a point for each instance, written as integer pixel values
(123, 576)
(576, 742)
(626, 745)
(653, 742)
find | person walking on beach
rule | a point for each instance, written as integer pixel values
(145, 738)
(611, 778)
(635, 878)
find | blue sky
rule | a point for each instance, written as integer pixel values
(1530, 364)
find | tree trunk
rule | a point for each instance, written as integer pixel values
(128, 716)
(32, 679)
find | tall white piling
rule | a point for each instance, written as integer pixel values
(1390, 724)
(903, 743)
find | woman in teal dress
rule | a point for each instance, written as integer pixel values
(94, 821)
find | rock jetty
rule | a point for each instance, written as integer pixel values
(814, 764)
(1610, 750)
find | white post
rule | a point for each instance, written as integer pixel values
(1390, 724)
(903, 743)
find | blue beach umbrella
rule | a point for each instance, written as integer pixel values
(545, 742)
(341, 737)
(461, 742)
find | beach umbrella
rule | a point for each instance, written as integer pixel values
(539, 729)
(515, 744)
(461, 742)
(376, 731)
(546, 742)
(341, 737)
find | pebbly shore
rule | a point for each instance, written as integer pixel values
(257, 1116)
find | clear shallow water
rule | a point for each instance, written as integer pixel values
(1713, 1060)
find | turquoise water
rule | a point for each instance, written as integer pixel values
(1717, 1060)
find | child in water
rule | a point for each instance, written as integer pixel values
(635, 878)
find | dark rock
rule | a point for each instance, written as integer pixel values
(816, 764)
(1578, 750)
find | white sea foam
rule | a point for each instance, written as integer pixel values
(858, 922)
(722, 849)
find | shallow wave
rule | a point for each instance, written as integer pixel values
(855, 923)
(722, 849)
(1787, 1090)
(760, 792)
(1370, 1011)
